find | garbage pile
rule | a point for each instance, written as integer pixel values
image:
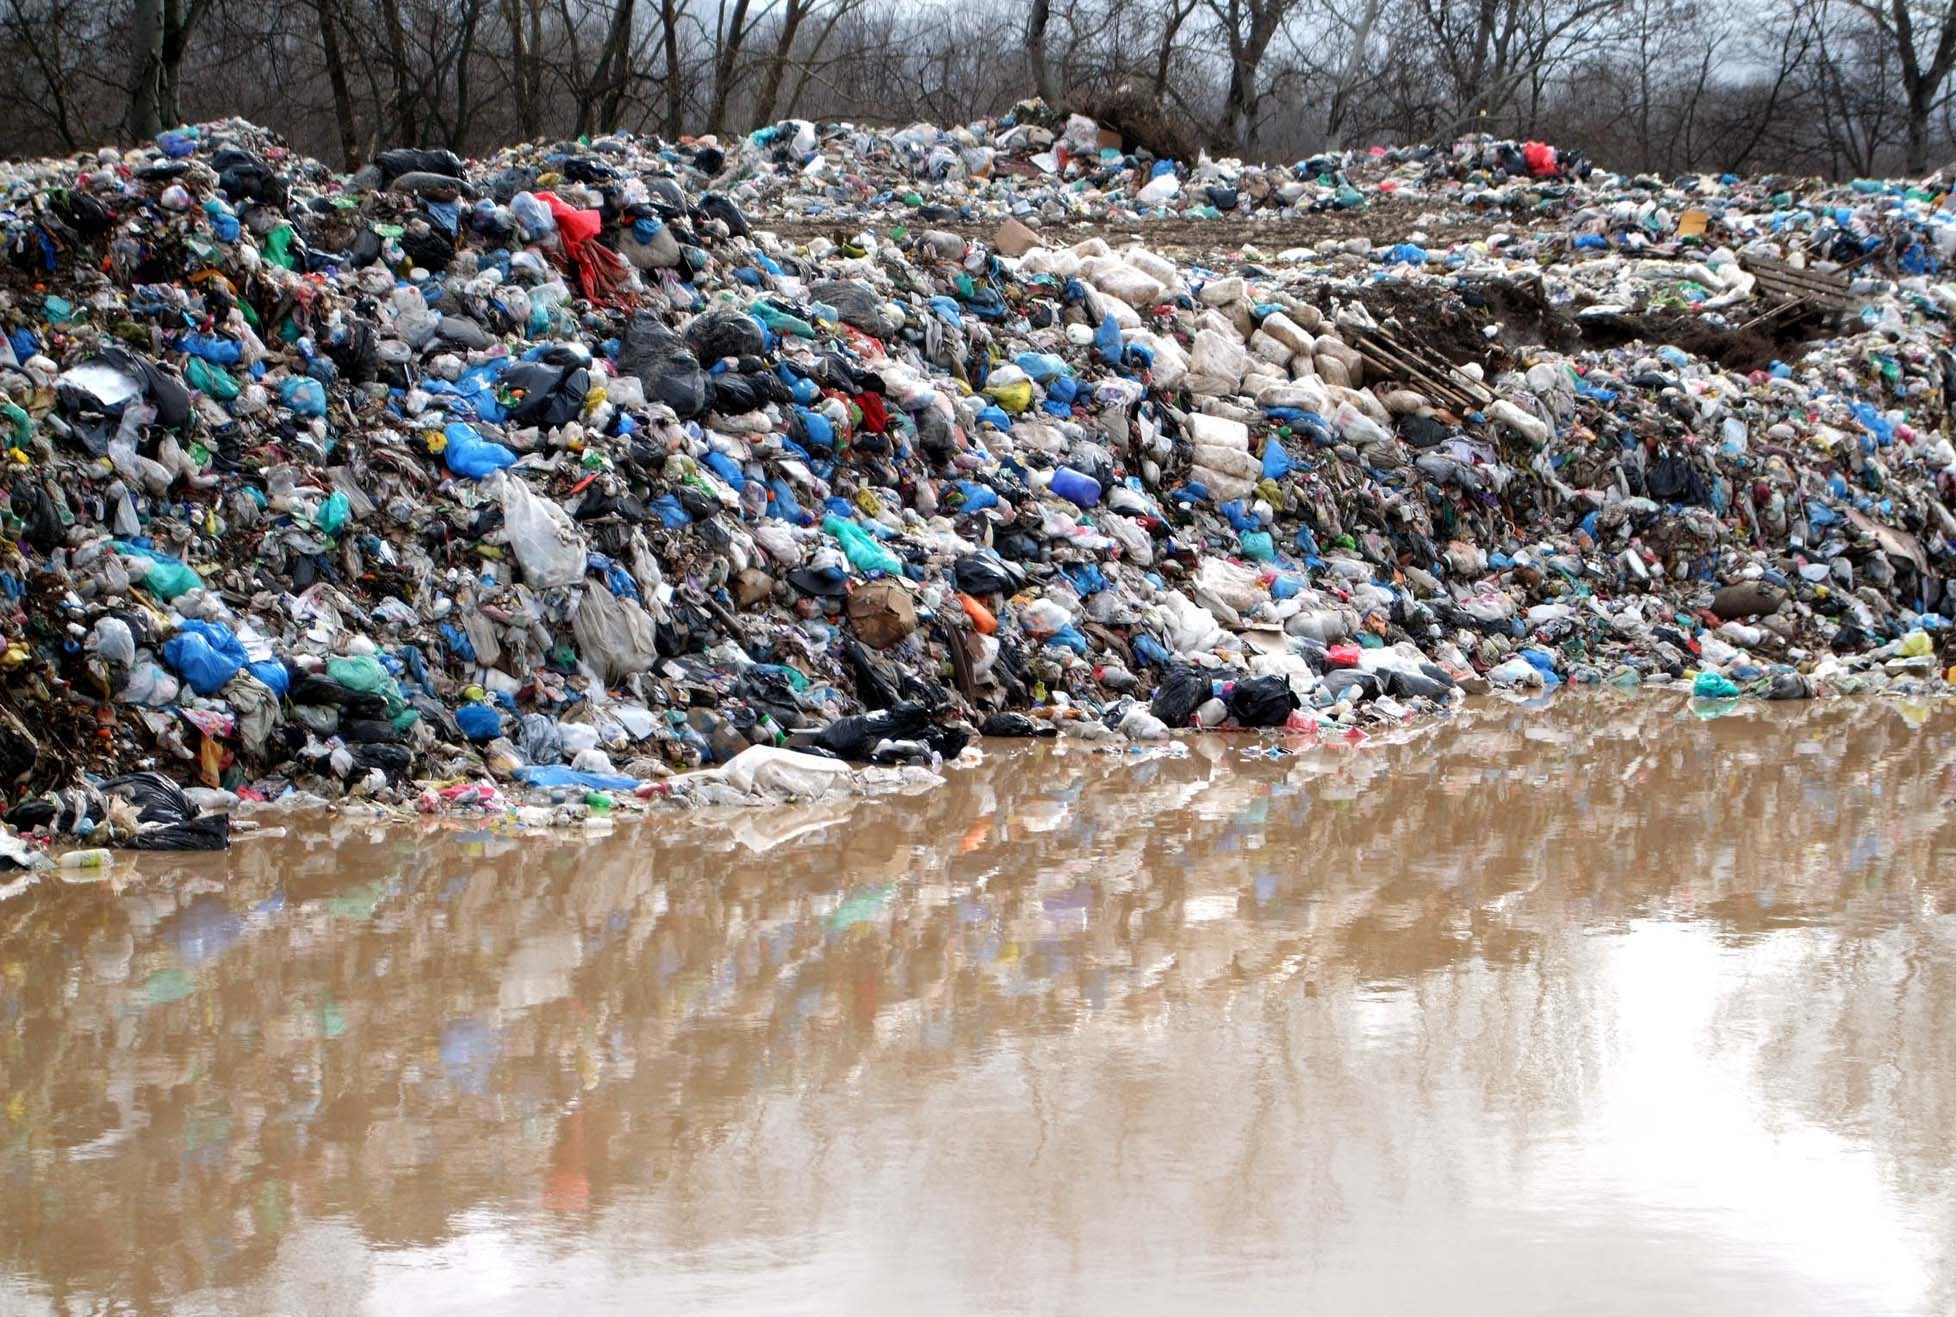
(560, 471)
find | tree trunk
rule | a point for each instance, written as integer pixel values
(600, 102)
(618, 66)
(519, 63)
(777, 64)
(464, 57)
(145, 118)
(1037, 20)
(726, 57)
(406, 131)
(1917, 162)
(669, 18)
(178, 26)
(329, 42)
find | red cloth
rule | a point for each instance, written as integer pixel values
(874, 416)
(601, 272)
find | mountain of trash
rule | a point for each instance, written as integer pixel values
(526, 481)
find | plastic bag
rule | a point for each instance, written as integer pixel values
(205, 654)
(467, 453)
(548, 545)
(1262, 701)
(1183, 689)
(479, 722)
(864, 553)
(614, 635)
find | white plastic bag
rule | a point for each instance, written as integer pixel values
(548, 545)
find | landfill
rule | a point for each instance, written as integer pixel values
(534, 481)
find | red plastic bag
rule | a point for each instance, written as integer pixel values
(1541, 159)
(601, 273)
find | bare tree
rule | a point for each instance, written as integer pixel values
(1905, 26)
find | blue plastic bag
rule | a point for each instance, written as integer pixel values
(556, 775)
(479, 722)
(205, 654)
(273, 674)
(469, 454)
(304, 395)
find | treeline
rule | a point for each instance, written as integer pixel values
(1829, 87)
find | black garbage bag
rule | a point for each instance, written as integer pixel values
(735, 392)
(210, 833)
(436, 715)
(428, 247)
(666, 194)
(1017, 725)
(369, 730)
(725, 332)
(857, 304)
(1261, 701)
(660, 361)
(82, 212)
(316, 688)
(413, 160)
(95, 421)
(587, 169)
(157, 799)
(1675, 480)
(539, 740)
(1183, 689)
(715, 205)
(767, 689)
(1428, 683)
(393, 761)
(1366, 684)
(1422, 432)
(854, 737)
(35, 506)
(979, 574)
(552, 392)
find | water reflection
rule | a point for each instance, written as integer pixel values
(1514, 1010)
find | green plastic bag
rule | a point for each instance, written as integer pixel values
(367, 675)
(212, 381)
(278, 247)
(862, 550)
(167, 578)
(781, 322)
(333, 513)
(19, 422)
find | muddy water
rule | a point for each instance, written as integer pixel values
(1597, 1008)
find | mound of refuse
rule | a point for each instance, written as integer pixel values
(561, 470)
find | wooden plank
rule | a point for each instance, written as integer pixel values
(1423, 368)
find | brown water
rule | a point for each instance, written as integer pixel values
(1599, 1008)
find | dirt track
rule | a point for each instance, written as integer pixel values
(1384, 222)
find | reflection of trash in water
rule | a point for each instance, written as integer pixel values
(468, 1050)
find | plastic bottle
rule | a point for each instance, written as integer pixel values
(1076, 487)
(96, 858)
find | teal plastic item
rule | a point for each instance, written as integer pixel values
(1713, 686)
(333, 513)
(863, 552)
(167, 578)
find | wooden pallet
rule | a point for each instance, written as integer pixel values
(1396, 358)
(1790, 291)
